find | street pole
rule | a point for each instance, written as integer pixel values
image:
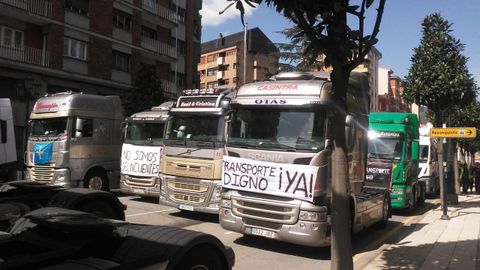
(443, 184)
(245, 29)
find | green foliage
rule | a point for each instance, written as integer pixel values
(293, 52)
(438, 77)
(147, 91)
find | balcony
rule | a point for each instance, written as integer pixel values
(158, 47)
(160, 11)
(38, 7)
(169, 89)
(27, 55)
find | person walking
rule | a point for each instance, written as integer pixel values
(477, 178)
(464, 177)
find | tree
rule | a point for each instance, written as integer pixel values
(293, 52)
(147, 91)
(324, 24)
(438, 77)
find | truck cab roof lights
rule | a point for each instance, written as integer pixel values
(204, 91)
(301, 76)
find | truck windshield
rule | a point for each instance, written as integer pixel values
(142, 133)
(385, 148)
(278, 129)
(52, 127)
(207, 128)
(423, 153)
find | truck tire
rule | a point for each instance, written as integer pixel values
(202, 257)
(96, 180)
(422, 195)
(382, 224)
(99, 208)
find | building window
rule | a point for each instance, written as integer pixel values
(150, 4)
(122, 20)
(211, 71)
(202, 85)
(203, 60)
(149, 33)
(211, 58)
(226, 81)
(10, 37)
(231, 52)
(180, 80)
(74, 48)
(181, 47)
(77, 6)
(180, 13)
(236, 65)
(121, 61)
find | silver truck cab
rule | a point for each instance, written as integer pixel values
(194, 147)
(74, 140)
(142, 151)
(277, 168)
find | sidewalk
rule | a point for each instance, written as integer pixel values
(436, 243)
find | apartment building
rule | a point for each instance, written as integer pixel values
(224, 62)
(94, 46)
(390, 90)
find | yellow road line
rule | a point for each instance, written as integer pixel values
(386, 236)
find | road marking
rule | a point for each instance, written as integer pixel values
(153, 212)
(407, 221)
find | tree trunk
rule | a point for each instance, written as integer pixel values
(341, 248)
(455, 168)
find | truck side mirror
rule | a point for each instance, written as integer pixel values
(79, 128)
(3, 131)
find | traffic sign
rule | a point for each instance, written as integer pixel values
(454, 132)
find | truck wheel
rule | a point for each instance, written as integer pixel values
(421, 198)
(202, 257)
(382, 224)
(413, 201)
(99, 208)
(96, 180)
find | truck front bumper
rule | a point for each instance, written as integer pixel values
(148, 187)
(191, 194)
(291, 221)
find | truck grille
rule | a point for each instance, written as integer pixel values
(42, 173)
(186, 192)
(269, 211)
(191, 199)
(140, 181)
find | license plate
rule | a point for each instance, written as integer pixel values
(185, 207)
(138, 191)
(260, 232)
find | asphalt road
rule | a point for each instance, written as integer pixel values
(259, 253)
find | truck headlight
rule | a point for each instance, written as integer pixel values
(226, 203)
(312, 216)
(60, 179)
(398, 191)
(217, 192)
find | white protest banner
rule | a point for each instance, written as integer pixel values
(281, 179)
(141, 160)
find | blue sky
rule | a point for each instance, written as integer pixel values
(400, 30)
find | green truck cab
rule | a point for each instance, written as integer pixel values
(392, 157)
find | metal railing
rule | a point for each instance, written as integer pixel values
(158, 47)
(39, 7)
(153, 7)
(26, 55)
(169, 88)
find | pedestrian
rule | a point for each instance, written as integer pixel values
(464, 177)
(477, 177)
